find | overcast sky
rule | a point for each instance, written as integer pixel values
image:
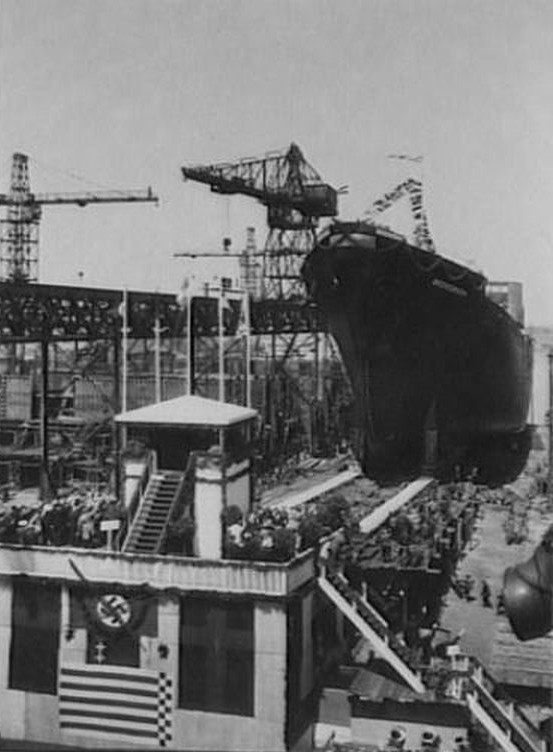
(121, 93)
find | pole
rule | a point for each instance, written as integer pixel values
(45, 469)
(125, 344)
(189, 343)
(550, 427)
(192, 349)
(221, 349)
(117, 431)
(248, 349)
(157, 359)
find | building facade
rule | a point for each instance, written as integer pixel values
(101, 649)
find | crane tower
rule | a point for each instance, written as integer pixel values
(296, 199)
(19, 230)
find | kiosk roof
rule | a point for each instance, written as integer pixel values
(188, 410)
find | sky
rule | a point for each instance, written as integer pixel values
(119, 94)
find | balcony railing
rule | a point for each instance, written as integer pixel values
(269, 579)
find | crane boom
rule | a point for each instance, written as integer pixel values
(80, 199)
(296, 198)
(19, 230)
(283, 180)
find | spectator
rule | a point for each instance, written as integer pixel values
(485, 594)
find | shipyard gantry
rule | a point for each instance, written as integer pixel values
(195, 606)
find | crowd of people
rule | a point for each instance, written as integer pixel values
(73, 518)
(438, 521)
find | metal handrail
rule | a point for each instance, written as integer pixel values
(134, 503)
(179, 503)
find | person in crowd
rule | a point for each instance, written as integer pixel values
(485, 594)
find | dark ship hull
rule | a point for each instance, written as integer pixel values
(441, 374)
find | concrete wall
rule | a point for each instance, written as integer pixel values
(208, 506)
(33, 716)
(543, 343)
(306, 681)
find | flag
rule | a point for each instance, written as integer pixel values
(116, 703)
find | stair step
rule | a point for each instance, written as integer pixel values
(155, 519)
(157, 512)
(157, 504)
(157, 529)
(152, 529)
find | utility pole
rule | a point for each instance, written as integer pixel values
(550, 429)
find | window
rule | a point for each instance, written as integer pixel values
(216, 656)
(35, 636)
(294, 629)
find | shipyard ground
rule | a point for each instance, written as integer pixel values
(525, 668)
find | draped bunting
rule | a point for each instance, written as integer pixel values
(412, 187)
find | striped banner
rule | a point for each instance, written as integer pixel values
(116, 703)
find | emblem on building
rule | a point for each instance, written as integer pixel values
(113, 610)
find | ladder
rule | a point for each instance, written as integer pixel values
(149, 526)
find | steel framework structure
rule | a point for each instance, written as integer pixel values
(296, 199)
(34, 312)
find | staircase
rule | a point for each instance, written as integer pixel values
(372, 626)
(147, 531)
(508, 726)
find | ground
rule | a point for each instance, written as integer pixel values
(487, 558)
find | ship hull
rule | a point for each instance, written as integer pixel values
(440, 374)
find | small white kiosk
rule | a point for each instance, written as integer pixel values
(219, 435)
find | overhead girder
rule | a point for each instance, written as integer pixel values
(35, 312)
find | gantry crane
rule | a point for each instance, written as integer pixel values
(19, 230)
(296, 198)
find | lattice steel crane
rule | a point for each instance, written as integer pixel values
(296, 198)
(19, 230)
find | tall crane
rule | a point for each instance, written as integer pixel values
(296, 198)
(19, 230)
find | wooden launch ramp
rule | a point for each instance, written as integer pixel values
(508, 726)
